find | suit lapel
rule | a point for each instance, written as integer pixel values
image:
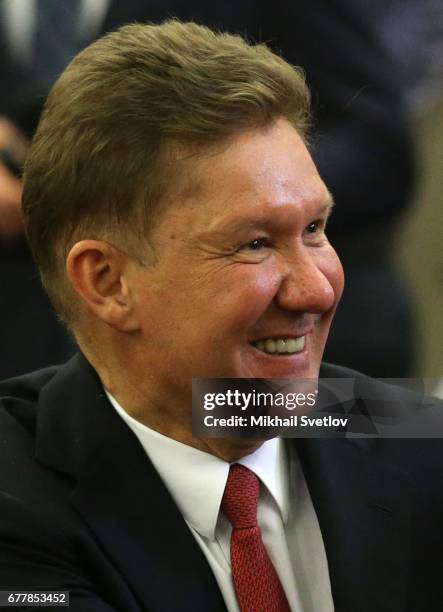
(120, 495)
(364, 514)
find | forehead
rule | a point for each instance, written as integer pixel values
(256, 174)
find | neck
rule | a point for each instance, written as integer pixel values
(169, 415)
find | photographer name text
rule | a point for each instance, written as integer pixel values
(274, 421)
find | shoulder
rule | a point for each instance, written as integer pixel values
(20, 395)
(21, 476)
(19, 400)
(404, 423)
(409, 393)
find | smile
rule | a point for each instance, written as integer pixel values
(281, 346)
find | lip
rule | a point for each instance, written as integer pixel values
(290, 365)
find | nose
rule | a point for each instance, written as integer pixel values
(307, 286)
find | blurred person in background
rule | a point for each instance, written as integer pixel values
(412, 33)
(37, 39)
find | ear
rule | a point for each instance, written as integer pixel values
(98, 271)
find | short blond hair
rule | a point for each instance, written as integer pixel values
(96, 164)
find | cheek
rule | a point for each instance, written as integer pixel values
(250, 294)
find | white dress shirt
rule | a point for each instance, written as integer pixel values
(196, 481)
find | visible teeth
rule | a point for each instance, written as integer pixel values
(294, 346)
(281, 345)
(270, 346)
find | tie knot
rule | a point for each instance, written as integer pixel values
(240, 498)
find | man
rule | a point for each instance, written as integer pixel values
(360, 129)
(178, 222)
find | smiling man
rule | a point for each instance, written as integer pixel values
(178, 222)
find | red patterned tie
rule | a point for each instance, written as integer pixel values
(256, 582)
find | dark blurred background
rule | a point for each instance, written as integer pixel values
(376, 74)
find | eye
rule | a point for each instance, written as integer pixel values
(313, 227)
(255, 245)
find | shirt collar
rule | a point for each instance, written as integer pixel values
(196, 480)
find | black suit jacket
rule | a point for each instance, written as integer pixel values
(83, 509)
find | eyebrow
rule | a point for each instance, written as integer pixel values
(329, 204)
(252, 223)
